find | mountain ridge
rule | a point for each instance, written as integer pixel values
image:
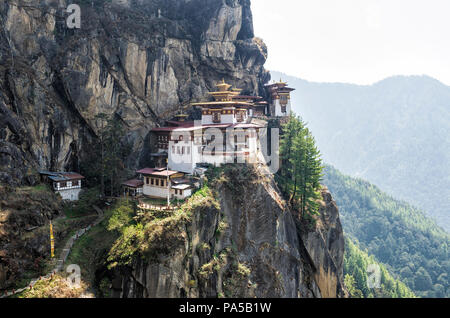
(410, 244)
(393, 133)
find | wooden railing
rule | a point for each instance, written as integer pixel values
(157, 207)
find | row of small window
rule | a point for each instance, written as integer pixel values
(223, 112)
(181, 150)
(240, 117)
(178, 192)
(156, 182)
(68, 184)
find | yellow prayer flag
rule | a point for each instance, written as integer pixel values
(52, 241)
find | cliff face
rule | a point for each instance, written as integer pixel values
(139, 60)
(142, 61)
(244, 242)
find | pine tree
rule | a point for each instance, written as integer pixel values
(104, 162)
(301, 166)
(289, 131)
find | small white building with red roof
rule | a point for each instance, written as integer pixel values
(133, 187)
(280, 99)
(158, 182)
(66, 184)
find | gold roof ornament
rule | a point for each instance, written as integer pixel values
(223, 87)
(224, 97)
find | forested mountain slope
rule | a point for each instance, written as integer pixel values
(356, 266)
(399, 235)
(394, 133)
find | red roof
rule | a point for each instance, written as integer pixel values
(72, 175)
(157, 172)
(135, 183)
(62, 176)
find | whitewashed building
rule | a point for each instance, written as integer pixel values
(225, 133)
(157, 182)
(134, 187)
(280, 99)
(66, 184)
(181, 189)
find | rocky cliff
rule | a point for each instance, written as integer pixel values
(241, 240)
(141, 61)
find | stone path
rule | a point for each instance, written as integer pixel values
(62, 258)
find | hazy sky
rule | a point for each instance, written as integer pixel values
(357, 41)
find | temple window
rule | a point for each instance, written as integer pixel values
(240, 116)
(216, 117)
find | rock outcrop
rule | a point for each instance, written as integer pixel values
(24, 239)
(324, 242)
(140, 60)
(244, 242)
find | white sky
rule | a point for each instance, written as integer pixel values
(356, 41)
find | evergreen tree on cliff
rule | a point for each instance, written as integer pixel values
(301, 168)
(104, 164)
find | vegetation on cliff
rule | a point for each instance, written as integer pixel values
(152, 233)
(398, 235)
(103, 166)
(56, 287)
(301, 167)
(233, 238)
(25, 214)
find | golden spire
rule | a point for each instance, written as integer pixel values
(223, 87)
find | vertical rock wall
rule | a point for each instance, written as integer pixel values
(139, 60)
